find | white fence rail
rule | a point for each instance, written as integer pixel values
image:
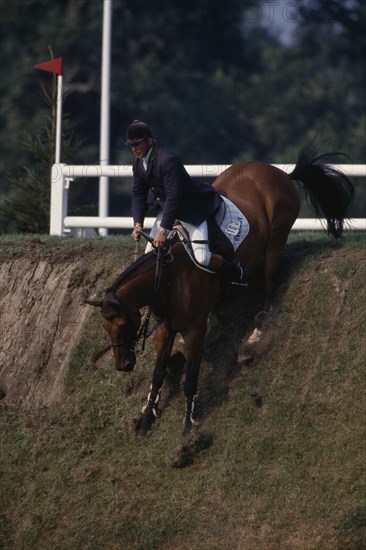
(63, 174)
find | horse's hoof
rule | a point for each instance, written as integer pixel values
(143, 426)
(190, 429)
(141, 434)
(140, 431)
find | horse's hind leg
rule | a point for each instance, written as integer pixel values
(273, 254)
(164, 339)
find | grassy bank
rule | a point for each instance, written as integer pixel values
(280, 464)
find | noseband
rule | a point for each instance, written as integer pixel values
(117, 346)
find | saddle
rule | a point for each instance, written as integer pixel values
(217, 242)
(227, 229)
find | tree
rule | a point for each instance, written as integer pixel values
(311, 87)
(27, 207)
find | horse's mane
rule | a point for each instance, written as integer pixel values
(140, 262)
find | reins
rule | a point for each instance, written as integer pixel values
(144, 331)
(162, 256)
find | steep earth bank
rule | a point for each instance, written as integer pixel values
(42, 295)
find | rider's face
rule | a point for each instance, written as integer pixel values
(140, 149)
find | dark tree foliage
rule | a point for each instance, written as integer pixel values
(213, 78)
(26, 208)
(347, 17)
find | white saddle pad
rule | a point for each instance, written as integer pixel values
(232, 222)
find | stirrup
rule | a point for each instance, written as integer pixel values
(242, 278)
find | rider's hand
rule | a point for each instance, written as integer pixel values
(136, 231)
(160, 237)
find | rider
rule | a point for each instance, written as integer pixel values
(178, 197)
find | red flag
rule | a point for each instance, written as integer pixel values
(53, 66)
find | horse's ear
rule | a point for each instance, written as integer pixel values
(95, 303)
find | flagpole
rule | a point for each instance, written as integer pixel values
(58, 119)
(105, 110)
(55, 66)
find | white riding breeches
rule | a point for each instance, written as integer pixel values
(196, 233)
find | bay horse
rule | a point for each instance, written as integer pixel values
(185, 295)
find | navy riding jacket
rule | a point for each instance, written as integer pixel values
(174, 191)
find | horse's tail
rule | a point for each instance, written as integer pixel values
(327, 190)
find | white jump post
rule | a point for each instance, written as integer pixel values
(105, 111)
(59, 195)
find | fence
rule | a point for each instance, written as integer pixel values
(63, 174)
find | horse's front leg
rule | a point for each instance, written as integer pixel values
(194, 348)
(164, 339)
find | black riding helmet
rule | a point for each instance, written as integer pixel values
(137, 131)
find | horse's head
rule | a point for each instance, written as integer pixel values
(122, 326)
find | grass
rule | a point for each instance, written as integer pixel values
(283, 472)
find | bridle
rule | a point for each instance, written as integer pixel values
(122, 308)
(117, 346)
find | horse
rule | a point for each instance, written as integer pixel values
(180, 295)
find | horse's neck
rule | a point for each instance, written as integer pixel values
(138, 288)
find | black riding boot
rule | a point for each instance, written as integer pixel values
(233, 273)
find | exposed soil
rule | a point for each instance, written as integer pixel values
(42, 315)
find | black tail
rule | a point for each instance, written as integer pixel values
(328, 191)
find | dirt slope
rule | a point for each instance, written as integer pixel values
(42, 313)
(40, 325)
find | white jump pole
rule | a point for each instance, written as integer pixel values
(105, 110)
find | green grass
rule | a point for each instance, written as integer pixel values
(288, 474)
